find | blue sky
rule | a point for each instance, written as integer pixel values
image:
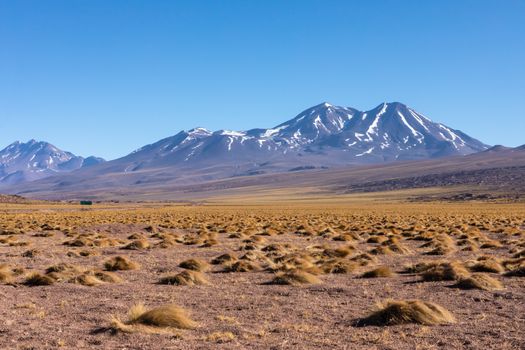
(105, 77)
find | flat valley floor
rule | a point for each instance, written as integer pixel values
(286, 276)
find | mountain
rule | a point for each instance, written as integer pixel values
(498, 173)
(33, 160)
(323, 136)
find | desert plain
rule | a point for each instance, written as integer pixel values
(356, 274)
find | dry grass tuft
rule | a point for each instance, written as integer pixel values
(242, 266)
(120, 263)
(295, 278)
(220, 337)
(108, 277)
(409, 311)
(63, 268)
(137, 245)
(339, 266)
(185, 278)
(479, 281)
(224, 258)
(194, 264)
(86, 280)
(6, 274)
(37, 279)
(446, 271)
(487, 265)
(516, 272)
(382, 271)
(158, 320)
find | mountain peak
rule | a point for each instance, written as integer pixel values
(320, 136)
(199, 131)
(31, 160)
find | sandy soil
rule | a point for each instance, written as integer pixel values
(260, 316)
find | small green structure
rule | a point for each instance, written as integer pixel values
(86, 203)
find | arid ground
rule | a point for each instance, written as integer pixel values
(273, 276)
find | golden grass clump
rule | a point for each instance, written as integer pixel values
(441, 244)
(338, 266)
(518, 271)
(158, 320)
(137, 245)
(340, 252)
(487, 265)
(118, 263)
(224, 258)
(37, 279)
(242, 266)
(364, 259)
(490, 244)
(167, 242)
(194, 264)
(394, 245)
(136, 236)
(220, 337)
(63, 268)
(86, 280)
(446, 271)
(479, 281)
(80, 242)
(382, 271)
(185, 278)
(376, 239)
(295, 278)
(108, 277)
(468, 245)
(6, 274)
(407, 311)
(163, 316)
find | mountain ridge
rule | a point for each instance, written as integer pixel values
(322, 136)
(318, 130)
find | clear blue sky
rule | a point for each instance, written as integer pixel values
(105, 77)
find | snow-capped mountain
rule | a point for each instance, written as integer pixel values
(324, 136)
(321, 136)
(20, 162)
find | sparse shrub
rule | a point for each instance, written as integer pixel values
(220, 337)
(382, 271)
(479, 281)
(194, 264)
(120, 263)
(6, 274)
(445, 272)
(106, 276)
(295, 278)
(137, 245)
(516, 272)
(487, 265)
(36, 279)
(242, 266)
(410, 311)
(86, 280)
(224, 258)
(185, 278)
(157, 320)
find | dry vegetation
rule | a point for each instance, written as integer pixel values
(260, 277)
